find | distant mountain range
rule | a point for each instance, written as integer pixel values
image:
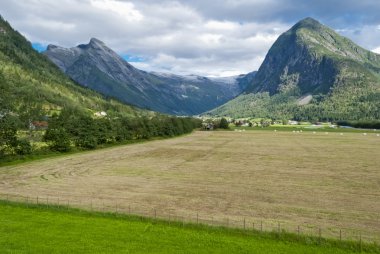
(311, 72)
(96, 66)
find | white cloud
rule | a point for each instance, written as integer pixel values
(203, 37)
(221, 25)
(125, 9)
(376, 50)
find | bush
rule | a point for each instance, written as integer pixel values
(23, 147)
(223, 123)
(58, 140)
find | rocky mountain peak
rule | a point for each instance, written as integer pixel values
(307, 23)
(52, 47)
(96, 43)
(307, 58)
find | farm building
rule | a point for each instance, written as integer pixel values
(38, 125)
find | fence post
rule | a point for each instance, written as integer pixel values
(244, 223)
(340, 235)
(279, 229)
(37, 200)
(197, 218)
(155, 214)
(320, 235)
(253, 226)
(298, 230)
(261, 226)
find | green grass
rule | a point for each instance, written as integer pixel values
(39, 229)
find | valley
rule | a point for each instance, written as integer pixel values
(99, 156)
(312, 180)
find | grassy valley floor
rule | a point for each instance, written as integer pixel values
(321, 183)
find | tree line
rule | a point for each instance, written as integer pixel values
(76, 129)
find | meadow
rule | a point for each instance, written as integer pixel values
(312, 183)
(40, 229)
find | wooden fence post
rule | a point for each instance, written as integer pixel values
(244, 223)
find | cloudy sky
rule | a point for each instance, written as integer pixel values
(205, 37)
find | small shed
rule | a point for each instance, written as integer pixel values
(38, 125)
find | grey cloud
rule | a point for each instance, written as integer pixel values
(200, 36)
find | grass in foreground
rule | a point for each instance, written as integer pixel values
(38, 229)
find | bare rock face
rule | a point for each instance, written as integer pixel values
(96, 66)
(309, 56)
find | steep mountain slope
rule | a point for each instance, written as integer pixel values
(96, 66)
(311, 72)
(32, 87)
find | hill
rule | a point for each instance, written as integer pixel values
(33, 87)
(98, 67)
(313, 73)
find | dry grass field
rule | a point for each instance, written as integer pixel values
(328, 180)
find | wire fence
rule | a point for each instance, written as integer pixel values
(244, 223)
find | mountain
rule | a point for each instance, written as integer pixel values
(33, 87)
(311, 72)
(96, 66)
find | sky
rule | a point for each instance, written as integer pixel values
(202, 37)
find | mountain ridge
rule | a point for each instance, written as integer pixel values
(98, 67)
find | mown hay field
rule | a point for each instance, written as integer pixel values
(329, 181)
